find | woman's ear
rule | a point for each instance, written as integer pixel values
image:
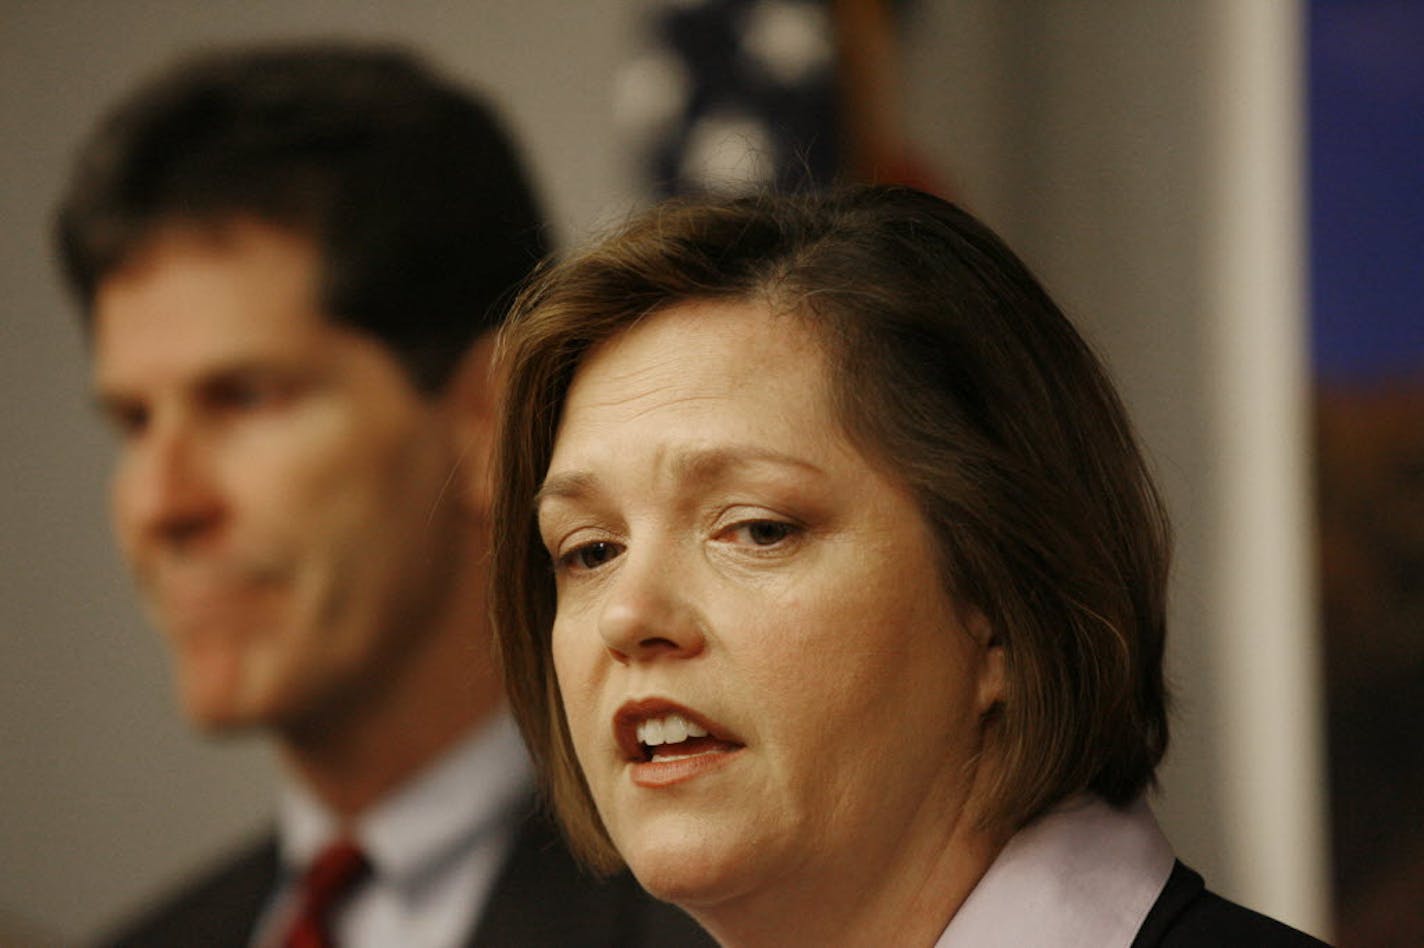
(471, 399)
(993, 673)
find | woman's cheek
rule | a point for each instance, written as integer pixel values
(573, 668)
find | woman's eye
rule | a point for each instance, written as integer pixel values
(763, 532)
(590, 555)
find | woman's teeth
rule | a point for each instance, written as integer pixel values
(670, 729)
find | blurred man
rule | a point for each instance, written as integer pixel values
(289, 262)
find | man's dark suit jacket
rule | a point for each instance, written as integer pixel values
(1186, 915)
(541, 898)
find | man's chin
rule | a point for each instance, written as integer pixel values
(231, 712)
(224, 726)
(213, 680)
(219, 719)
(216, 707)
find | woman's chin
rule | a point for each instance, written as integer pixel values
(690, 876)
(683, 878)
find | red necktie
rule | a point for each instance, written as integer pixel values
(332, 876)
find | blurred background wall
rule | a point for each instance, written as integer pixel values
(1144, 158)
(1366, 95)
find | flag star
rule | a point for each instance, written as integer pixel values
(789, 41)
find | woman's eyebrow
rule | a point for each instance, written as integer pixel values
(566, 486)
(711, 464)
(693, 465)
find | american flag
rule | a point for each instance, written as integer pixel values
(740, 95)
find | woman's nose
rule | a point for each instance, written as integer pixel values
(650, 613)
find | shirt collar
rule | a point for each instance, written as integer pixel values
(461, 796)
(1083, 874)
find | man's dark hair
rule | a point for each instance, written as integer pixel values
(407, 184)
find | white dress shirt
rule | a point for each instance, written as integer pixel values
(1083, 875)
(435, 847)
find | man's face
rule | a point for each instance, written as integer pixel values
(281, 487)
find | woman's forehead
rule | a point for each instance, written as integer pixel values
(700, 350)
(709, 385)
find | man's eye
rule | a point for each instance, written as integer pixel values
(248, 396)
(128, 421)
(244, 395)
(590, 556)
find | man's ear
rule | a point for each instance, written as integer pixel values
(471, 398)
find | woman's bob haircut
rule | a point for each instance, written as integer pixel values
(951, 368)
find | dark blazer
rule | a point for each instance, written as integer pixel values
(541, 898)
(1186, 915)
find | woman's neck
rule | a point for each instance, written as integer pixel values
(905, 896)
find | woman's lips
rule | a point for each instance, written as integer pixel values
(667, 742)
(664, 772)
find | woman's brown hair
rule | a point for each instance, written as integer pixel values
(950, 367)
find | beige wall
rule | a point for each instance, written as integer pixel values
(1085, 132)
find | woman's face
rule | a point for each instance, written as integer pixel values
(765, 681)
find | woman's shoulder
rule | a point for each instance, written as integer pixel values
(1187, 915)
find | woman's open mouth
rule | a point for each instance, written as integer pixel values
(668, 743)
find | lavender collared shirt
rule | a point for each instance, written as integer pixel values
(1083, 874)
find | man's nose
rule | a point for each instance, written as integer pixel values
(649, 613)
(166, 488)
